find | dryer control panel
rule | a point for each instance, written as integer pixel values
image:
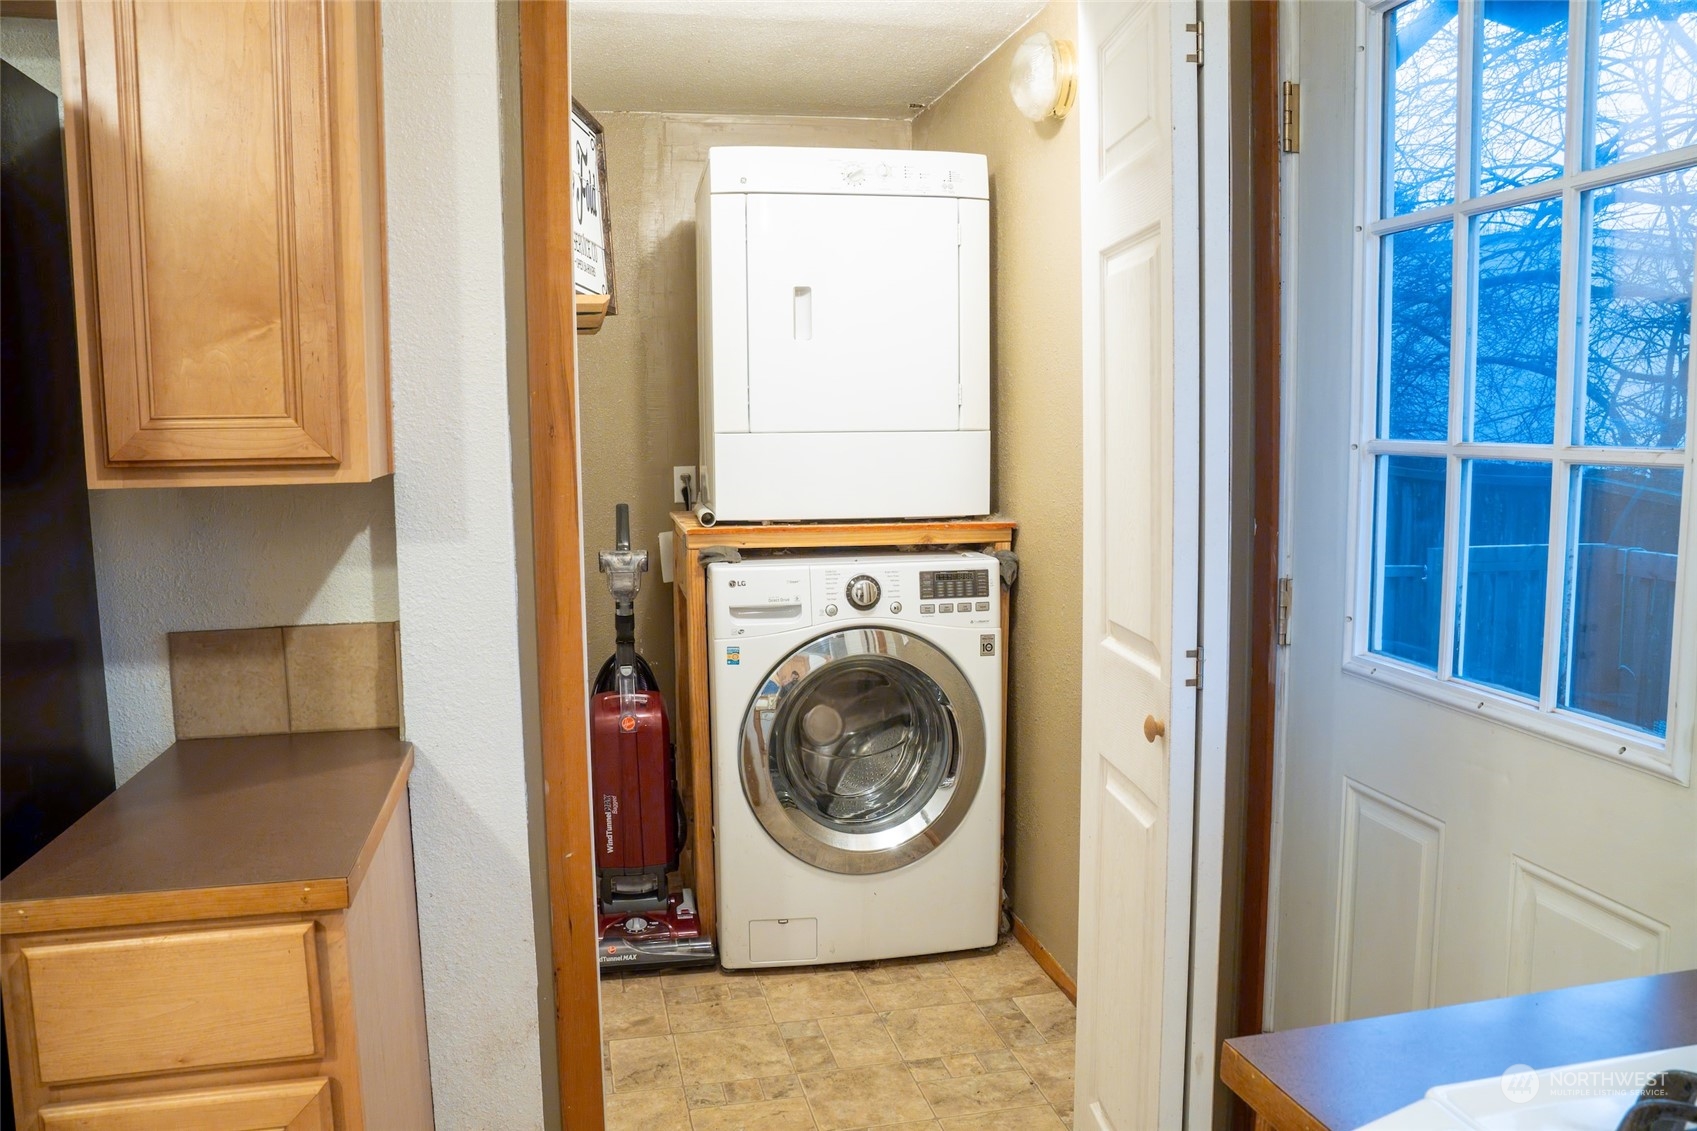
(858, 172)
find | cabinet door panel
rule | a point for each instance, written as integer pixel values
(298, 1105)
(214, 243)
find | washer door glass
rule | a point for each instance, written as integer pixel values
(863, 743)
(863, 750)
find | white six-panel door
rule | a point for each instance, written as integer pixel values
(1138, 135)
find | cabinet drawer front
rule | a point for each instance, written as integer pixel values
(297, 1105)
(164, 1003)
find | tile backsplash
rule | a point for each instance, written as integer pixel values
(229, 682)
(290, 678)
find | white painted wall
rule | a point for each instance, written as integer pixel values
(455, 548)
(32, 46)
(184, 559)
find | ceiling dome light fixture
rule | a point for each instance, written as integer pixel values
(1044, 77)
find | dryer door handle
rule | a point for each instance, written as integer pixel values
(804, 314)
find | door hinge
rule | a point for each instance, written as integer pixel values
(1281, 621)
(1290, 131)
(1194, 654)
(1196, 30)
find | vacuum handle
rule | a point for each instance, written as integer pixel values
(621, 527)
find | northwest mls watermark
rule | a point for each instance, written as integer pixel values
(1522, 1083)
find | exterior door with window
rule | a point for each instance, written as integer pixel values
(1488, 713)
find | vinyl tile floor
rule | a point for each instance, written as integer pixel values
(976, 1041)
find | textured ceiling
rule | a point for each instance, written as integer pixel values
(857, 58)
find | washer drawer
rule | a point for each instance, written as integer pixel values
(176, 1001)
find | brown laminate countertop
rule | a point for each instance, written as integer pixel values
(1342, 1076)
(217, 827)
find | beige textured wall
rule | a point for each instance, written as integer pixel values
(1035, 357)
(637, 377)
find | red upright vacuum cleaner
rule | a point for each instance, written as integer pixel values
(643, 924)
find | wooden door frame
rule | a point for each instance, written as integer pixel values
(1265, 157)
(551, 341)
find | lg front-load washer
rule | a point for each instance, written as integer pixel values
(857, 756)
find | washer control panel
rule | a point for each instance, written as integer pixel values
(755, 598)
(950, 584)
(958, 589)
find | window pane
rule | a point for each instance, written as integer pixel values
(1414, 366)
(1408, 559)
(1420, 103)
(1516, 311)
(1505, 562)
(1522, 92)
(1619, 634)
(1646, 78)
(1641, 239)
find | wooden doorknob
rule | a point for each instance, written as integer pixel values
(1153, 728)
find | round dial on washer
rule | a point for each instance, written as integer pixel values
(862, 592)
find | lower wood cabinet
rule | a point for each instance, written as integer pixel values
(309, 1022)
(297, 1105)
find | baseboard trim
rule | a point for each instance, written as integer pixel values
(1047, 961)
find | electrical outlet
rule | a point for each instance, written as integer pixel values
(679, 474)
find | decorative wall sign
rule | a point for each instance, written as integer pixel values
(592, 226)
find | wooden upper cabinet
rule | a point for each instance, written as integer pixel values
(225, 185)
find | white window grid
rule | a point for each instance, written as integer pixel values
(1669, 757)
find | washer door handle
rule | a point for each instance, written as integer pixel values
(953, 772)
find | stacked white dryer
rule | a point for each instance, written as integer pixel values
(844, 321)
(844, 302)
